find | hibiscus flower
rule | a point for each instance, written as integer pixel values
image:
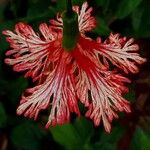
(67, 71)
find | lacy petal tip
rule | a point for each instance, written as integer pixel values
(7, 61)
(108, 128)
(19, 112)
(5, 32)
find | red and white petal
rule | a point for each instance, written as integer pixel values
(118, 50)
(59, 86)
(57, 23)
(29, 51)
(102, 90)
(86, 21)
(121, 52)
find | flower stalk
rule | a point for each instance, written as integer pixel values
(70, 27)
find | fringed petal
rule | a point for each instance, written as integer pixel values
(86, 21)
(121, 52)
(57, 23)
(57, 92)
(29, 51)
(101, 91)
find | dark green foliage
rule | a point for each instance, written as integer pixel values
(109, 141)
(74, 136)
(27, 135)
(141, 140)
(131, 131)
(3, 116)
(125, 7)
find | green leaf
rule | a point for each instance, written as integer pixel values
(102, 3)
(74, 136)
(27, 136)
(38, 7)
(3, 116)
(102, 27)
(141, 140)
(39, 12)
(109, 141)
(84, 128)
(67, 136)
(125, 7)
(61, 5)
(137, 17)
(140, 20)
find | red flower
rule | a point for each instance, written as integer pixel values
(64, 77)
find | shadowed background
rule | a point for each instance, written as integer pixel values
(130, 131)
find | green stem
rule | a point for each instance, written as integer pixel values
(69, 7)
(70, 27)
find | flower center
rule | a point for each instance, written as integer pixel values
(70, 28)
